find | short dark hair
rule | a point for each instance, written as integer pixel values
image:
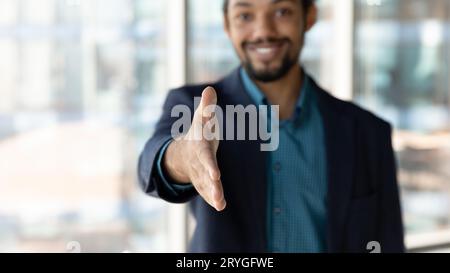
(306, 4)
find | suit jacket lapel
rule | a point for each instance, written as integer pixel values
(339, 141)
(252, 159)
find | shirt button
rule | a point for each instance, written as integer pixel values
(277, 210)
(277, 167)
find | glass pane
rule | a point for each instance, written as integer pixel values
(81, 83)
(211, 55)
(319, 51)
(402, 73)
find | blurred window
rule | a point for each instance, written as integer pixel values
(211, 55)
(402, 52)
(81, 83)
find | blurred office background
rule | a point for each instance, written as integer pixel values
(82, 83)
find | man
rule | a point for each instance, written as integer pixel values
(329, 186)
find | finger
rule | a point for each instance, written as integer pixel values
(205, 194)
(219, 197)
(208, 160)
(203, 182)
(214, 192)
(207, 184)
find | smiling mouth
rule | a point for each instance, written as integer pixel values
(266, 52)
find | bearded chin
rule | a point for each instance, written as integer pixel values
(270, 75)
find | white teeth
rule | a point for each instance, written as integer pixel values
(264, 50)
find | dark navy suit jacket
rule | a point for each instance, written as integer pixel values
(363, 196)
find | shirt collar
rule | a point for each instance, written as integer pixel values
(259, 99)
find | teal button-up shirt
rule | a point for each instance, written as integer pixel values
(297, 180)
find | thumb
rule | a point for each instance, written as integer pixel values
(209, 97)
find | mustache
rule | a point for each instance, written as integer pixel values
(265, 41)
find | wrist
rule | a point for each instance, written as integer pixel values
(173, 165)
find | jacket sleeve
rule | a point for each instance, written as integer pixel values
(391, 224)
(151, 180)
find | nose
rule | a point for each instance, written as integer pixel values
(264, 28)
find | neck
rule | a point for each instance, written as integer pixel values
(284, 91)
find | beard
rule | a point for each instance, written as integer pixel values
(269, 75)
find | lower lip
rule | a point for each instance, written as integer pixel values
(266, 56)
